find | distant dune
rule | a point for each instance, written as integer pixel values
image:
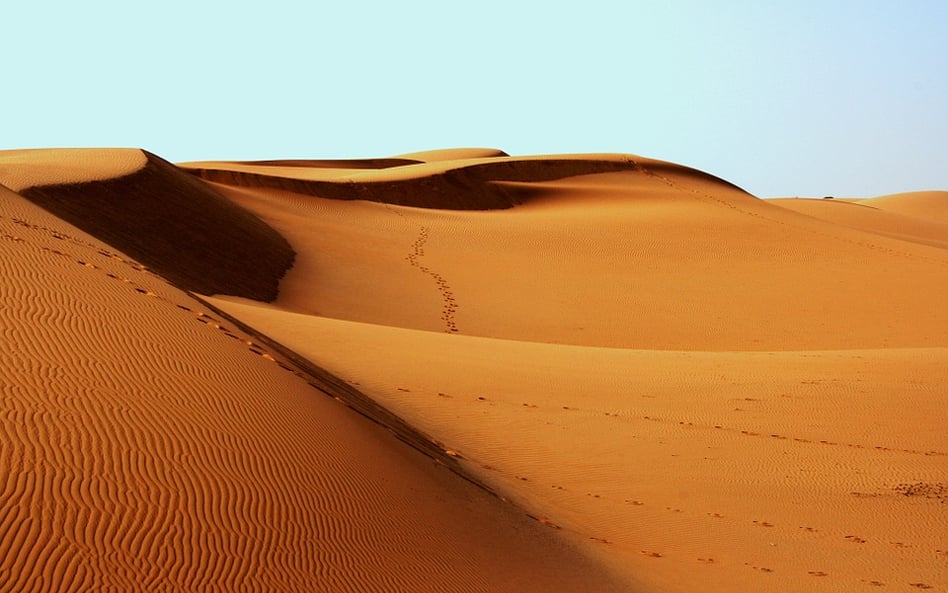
(549, 373)
(916, 217)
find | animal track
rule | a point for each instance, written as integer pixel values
(932, 493)
(449, 306)
(809, 529)
(760, 568)
(936, 490)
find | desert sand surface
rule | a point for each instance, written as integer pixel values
(148, 444)
(586, 372)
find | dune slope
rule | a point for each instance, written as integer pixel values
(705, 390)
(148, 444)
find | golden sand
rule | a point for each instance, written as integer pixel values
(659, 381)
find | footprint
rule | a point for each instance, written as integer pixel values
(763, 524)
(817, 573)
(920, 585)
(855, 539)
(651, 554)
(547, 522)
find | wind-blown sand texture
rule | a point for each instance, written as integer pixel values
(659, 377)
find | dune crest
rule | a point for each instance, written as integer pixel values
(928, 205)
(23, 169)
(481, 183)
(453, 154)
(174, 224)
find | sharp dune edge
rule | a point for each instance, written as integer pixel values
(562, 373)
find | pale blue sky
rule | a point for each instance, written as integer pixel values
(783, 97)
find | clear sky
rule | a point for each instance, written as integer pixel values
(782, 97)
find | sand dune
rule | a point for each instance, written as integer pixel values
(674, 385)
(652, 257)
(170, 222)
(150, 444)
(890, 216)
(926, 205)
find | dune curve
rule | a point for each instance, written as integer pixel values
(177, 225)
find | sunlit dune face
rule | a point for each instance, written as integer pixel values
(22, 169)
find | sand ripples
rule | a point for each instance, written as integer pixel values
(147, 445)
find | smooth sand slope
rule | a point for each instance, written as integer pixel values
(148, 444)
(707, 391)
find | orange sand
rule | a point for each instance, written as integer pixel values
(667, 379)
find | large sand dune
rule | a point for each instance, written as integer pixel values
(668, 381)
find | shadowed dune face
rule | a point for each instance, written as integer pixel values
(485, 183)
(178, 226)
(335, 164)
